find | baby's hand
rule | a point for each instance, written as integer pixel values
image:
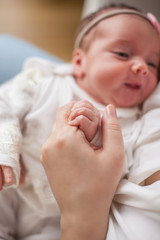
(6, 176)
(86, 117)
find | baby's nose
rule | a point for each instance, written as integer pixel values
(140, 67)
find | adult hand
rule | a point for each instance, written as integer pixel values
(83, 179)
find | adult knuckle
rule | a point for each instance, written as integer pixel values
(52, 146)
(45, 149)
(114, 127)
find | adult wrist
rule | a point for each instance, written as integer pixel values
(81, 227)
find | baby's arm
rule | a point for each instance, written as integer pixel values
(16, 100)
(86, 117)
(6, 176)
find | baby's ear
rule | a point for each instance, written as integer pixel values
(78, 62)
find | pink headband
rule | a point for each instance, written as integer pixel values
(154, 21)
(149, 17)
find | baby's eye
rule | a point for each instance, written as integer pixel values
(151, 64)
(122, 54)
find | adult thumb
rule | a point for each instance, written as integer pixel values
(112, 140)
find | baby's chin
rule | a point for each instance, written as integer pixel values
(127, 104)
(129, 101)
(119, 102)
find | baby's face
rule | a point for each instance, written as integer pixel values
(121, 64)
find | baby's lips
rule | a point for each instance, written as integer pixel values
(133, 85)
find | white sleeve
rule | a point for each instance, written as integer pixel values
(135, 212)
(16, 99)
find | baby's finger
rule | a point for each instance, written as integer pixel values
(8, 174)
(86, 105)
(77, 121)
(83, 111)
(85, 125)
(83, 103)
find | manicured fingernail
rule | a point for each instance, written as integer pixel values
(111, 110)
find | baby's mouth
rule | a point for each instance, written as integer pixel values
(133, 86)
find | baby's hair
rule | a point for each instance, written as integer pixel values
(105, 8)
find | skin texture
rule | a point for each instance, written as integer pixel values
(121, 70)
(81, 179)
(85, 116)
(6, 175)
(120, 65)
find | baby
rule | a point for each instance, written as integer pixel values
(115, 61)
(136, 84)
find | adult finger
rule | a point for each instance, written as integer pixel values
(59, 131)
(112, 140)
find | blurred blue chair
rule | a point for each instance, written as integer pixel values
(13, 52)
